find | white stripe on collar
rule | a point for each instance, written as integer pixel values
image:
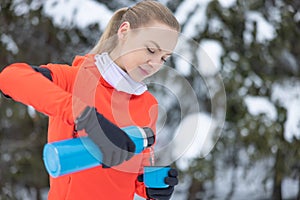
(116, 77)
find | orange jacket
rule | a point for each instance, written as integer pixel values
(62, 100)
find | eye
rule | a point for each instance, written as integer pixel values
(165, 58)
(150, 50)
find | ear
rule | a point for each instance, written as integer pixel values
(123, 30)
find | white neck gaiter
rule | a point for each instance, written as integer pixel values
(116, 77)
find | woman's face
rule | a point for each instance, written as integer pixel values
(143, 51)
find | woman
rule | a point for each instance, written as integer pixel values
(101, 92)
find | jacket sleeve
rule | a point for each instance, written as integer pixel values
(25, 85)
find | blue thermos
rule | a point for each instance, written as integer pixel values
(73, 155)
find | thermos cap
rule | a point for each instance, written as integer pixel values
(149, 135)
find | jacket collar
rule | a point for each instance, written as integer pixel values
(116, 77)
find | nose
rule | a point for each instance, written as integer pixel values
(155, 66)
(155, 63)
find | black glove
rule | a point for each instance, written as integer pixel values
(162, 193)
(114, 143)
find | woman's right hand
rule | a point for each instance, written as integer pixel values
(115, 145)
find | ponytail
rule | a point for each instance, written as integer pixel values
(107, 41)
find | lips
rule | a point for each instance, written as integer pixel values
(144, 71)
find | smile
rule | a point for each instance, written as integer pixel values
(144, 72)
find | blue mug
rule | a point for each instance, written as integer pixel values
(154, 176)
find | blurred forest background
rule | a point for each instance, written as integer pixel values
(258, 153)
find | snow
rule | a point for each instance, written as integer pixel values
(261, 105)
(216, 26)
(192, 14)
(209, 57)
(183, 56)
(265, 30)
(275, 13)
(193, 139)
(80, 13)
(289, 188)
(287, 94)
(9, 43)
(31, 111)
(196, 23)
(290, 61)
(249, 183)
(184, 9)
(297, 16)
(227, 3)
(20, 7)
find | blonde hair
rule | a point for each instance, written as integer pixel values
(141, 14)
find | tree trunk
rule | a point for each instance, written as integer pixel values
(278, 175)
(298, 196)
(38, 193)
(195, 190)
